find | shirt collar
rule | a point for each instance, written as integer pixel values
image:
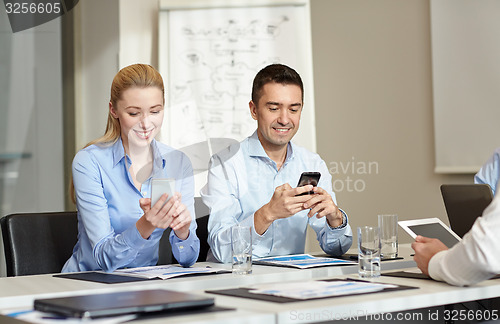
(118, 151)
(255, 148)
(159, 160)
(119, 154)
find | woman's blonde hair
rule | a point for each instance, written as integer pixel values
(135, 75)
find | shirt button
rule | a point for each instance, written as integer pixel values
(181, 247)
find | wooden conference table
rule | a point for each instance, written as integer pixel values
(19, 293)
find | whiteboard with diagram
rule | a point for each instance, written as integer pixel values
(209, 57)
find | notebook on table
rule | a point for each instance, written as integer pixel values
(120, 303)
(464, 203)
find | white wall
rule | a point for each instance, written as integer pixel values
(109, 35)
(96, 60)
(138, 25)
(466, 82)
(372, 68)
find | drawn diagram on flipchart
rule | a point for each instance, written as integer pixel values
(213, 56)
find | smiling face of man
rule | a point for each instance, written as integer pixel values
(277, 113)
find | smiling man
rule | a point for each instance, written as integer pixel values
(250, 183)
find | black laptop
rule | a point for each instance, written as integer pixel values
(120, 303)
(464, 203)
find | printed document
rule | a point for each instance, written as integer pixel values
(302, 261)
(318, 289)
(168, 271)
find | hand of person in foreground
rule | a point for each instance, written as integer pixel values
(425, 248)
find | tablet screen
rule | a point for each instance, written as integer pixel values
(435, 230)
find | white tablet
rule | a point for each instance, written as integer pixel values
(431, 227)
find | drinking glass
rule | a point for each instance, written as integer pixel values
(241, 248)
(388, 235)
(368, 252)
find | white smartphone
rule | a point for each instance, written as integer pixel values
(161, 186)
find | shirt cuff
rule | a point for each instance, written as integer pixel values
(341, 226)
(183, 246)
(435, 266)
(187, 241)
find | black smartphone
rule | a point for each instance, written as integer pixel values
(306, 178)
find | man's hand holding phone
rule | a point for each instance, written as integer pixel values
(288, 201)
(320, 203)
(285, 202)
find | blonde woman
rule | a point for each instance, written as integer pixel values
(117, 226)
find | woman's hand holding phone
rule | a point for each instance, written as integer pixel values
(166, 212)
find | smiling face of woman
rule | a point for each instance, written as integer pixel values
(140, 114)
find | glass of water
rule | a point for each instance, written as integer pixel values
(369, 252)
(388, 235)
(241, 248)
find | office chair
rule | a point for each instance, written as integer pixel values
(38, 243)
(165, 255)
(202, 233)
(202, 214)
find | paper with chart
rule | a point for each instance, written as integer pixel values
(302, 261)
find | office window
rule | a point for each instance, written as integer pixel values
(31, 136)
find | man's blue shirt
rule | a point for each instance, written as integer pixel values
(242, 178)
(490, 172)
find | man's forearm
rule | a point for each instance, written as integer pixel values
(336, 221)
(262, 220)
